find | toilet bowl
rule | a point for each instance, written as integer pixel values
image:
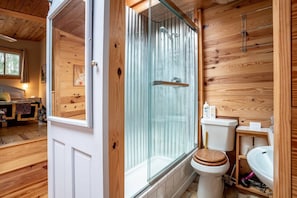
(212, 163)
(211, 183)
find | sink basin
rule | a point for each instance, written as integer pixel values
(260, 160)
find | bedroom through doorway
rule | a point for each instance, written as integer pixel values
(28, 131)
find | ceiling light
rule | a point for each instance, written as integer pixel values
(7, 38)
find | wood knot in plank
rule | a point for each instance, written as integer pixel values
(114, 145)
(119, 72)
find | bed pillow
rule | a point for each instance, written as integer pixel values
(5, 96)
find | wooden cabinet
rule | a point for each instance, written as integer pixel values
(242, 147)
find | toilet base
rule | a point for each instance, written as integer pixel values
(210, 187)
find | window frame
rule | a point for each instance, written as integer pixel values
(55, 10)
(16, 52)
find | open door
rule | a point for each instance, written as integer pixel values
(75, 66)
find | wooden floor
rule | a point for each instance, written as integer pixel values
(38, 190)
(191, 192)
(21, 184)
(23, 131)
(229, 191)
(23, 160)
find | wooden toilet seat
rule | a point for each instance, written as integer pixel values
(210, 157)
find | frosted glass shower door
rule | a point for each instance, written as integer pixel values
(168, 127)
(173, 93)
(160, 95)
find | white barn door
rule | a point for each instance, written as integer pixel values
(77, 108)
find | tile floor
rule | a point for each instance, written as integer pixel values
(230, 192)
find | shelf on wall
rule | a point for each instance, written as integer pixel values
(168, 83)
(243, 131)
(242, 157)
(255, 190)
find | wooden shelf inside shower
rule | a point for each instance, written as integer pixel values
(167, 83)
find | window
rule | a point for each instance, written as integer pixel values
(10, 63)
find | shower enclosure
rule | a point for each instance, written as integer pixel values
(160, 95)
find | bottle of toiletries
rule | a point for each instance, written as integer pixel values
(212, 110)
(205, 110)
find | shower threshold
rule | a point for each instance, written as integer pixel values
(136, 178)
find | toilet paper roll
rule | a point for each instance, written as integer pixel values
(259, 141)
(246, 144)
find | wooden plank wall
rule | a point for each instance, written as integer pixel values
(69, 99)
(239, 84)
(294, 98)
(294, 150)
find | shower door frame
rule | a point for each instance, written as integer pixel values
(177, 160)
(188, 21)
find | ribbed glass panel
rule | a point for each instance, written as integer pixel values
(136, 90)
(173, 108)
(160, 120)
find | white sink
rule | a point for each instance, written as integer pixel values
(260, 160)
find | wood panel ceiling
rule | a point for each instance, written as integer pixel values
(23, 19)
(26, 19)
(72, 19)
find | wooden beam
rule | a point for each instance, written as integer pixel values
(116, 98)
(282, 98)
(22, 16)
(198, 20)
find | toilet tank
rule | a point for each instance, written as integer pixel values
(221, 133)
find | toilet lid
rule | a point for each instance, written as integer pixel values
(210, 157)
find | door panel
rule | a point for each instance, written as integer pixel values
(76, 146)
(59, 166)
(82, 175)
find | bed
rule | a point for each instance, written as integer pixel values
(15, 106)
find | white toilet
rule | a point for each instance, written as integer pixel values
(212, 163)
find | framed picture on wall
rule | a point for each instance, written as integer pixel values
(43, 73)
(78, 75)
